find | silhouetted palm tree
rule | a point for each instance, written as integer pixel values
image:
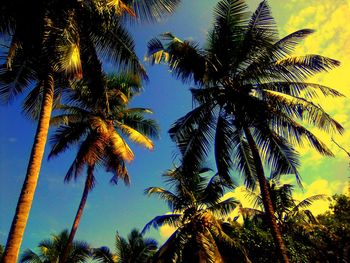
(50, 250)
(287, 209)
(197, 208)
(96, 122)
(252, 94)
(134, 249)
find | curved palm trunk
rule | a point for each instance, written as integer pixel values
(87, 188)
(266, 198)
(24, 204)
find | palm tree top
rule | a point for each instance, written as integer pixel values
(101, 121)
(49, 250)
(247, 77)
(134, 248)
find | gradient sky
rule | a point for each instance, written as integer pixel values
(109, 208)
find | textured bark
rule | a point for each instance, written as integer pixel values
(266, 198)
(24, 204)
(87, 188)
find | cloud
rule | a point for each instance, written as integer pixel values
(331, 39)
(166, 231)
(318, 186)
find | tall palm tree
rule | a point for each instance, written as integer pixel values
(252, 94)
(50, 41)
(95, 121)
(50, 250)
(134, 249)
(50, 37)
(197, 206)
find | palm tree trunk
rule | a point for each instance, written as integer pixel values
(266, 198)
(87, 188)
(24, 204)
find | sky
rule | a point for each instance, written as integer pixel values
(120, 208)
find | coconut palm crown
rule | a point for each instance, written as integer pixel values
(197, 209)
(50, 250)
(134, 249)
(97, 122)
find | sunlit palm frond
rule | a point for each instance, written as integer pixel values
(186, 60)
(120, 147)
(135, 120)
(304, 110)
(136, 136)
(300, 89)
(153, 10)
(120, 7)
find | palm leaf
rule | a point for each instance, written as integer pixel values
(136, 136)
(170, 219)
(104, 255)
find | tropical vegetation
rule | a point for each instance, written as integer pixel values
(96, 121)
(134, 249)
(252, 98)
(253, 107)
(51, 43)
(50, 250)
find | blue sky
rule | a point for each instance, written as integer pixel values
(121, 208)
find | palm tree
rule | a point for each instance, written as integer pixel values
(50, 250)
(51, 37)
(134, 249)
(197, 206)
(96, 121)
(252, 94)
(287, 210)
(53, 42)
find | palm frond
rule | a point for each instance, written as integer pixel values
(184, 58)
(148, 127)
(166, 195)
(104, 255)
(64, 136)
(223, 208)
(28, 256)
(136, 136)
(277, 152)
(287, 44)
(169, 219)
(243, 159)
(307, 202)
(14, 82)
(223, 147)
(193, 133)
